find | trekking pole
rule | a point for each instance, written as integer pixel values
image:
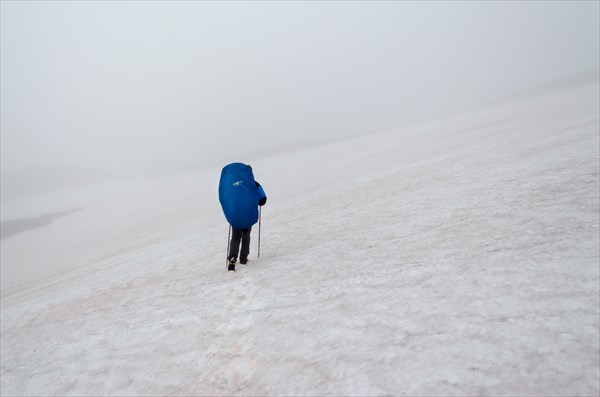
(228, 240)
(259, 222)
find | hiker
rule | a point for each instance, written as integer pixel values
(240, 195)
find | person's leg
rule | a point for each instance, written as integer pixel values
(234, 246)
(245, 246)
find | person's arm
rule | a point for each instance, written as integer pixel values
(262, 197)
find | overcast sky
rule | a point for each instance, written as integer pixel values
(116, 86)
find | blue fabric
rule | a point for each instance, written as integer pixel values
(261, 193)
(239, 195)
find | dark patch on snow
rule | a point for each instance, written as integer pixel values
(16, 226)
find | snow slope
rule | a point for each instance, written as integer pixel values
(459, 257)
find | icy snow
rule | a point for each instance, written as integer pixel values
(458, 257)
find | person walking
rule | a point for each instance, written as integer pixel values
(240, 196)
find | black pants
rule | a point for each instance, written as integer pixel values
(244, 236)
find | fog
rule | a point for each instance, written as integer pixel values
(93, 90)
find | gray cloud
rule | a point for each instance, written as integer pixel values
(112, 88)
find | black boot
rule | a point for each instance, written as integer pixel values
(231, 266)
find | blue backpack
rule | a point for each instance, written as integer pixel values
(239, 195)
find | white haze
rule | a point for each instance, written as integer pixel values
(93, 90)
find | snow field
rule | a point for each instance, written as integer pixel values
(459, 257)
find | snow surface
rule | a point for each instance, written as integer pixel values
(458, 257)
